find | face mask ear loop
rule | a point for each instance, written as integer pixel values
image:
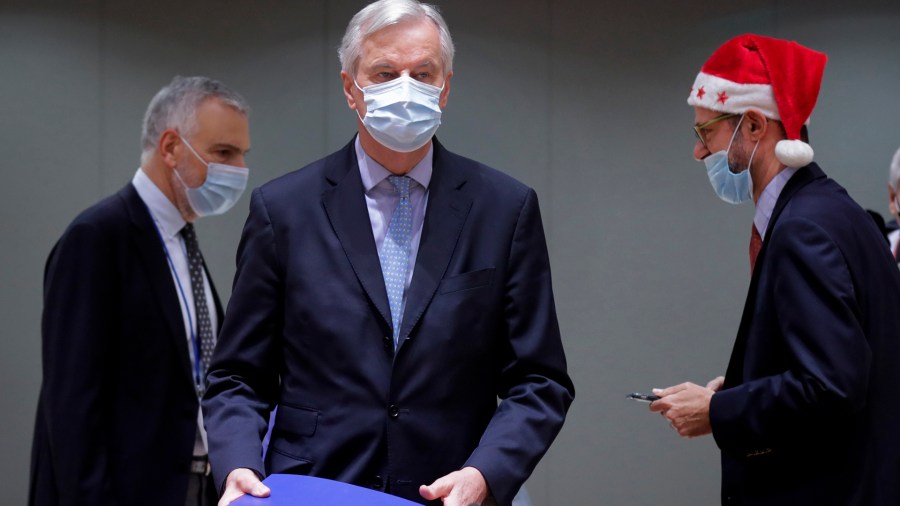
(748, 167)
(188, 144)
(751, 155)
(364, 94)
(738, 127)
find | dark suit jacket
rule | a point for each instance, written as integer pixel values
(117, 413)
(809, 411)
(308, 327)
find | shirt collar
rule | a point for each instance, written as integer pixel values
(769, 197)
(166, 216)
(373, 172)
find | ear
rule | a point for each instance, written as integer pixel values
(349, 88)
(756, 124)
(446, 91)
(169, 143)
(892, 199)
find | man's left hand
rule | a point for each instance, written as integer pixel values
(686, 407)
(459, 488)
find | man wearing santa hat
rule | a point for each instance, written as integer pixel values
(808, 412)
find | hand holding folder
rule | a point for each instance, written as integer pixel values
(296, 490)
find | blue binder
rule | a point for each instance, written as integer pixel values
(296, 490)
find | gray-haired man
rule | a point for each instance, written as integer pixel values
(130, 316)
(387, 296)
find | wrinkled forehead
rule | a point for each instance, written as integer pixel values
(411, 42)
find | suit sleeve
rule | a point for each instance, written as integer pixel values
(243, 376)
(536, 390)
(824, 379)
(79, 312)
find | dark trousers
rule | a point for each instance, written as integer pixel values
(201, 491)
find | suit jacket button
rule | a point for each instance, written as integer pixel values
(388, 342)
(394, 411)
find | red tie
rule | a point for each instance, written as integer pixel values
(755, 246)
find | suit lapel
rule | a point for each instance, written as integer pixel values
(345, 205)
(800, 179)
(159, 275)
(449, 203)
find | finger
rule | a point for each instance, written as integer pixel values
(437, 490)
(663, 392)
(242, 481)
(230, 494)
(250, 484)
(716, 383)
(260, 490)
(661, 405)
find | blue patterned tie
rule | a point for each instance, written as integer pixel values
(395, 252)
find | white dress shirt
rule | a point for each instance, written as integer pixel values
(169, 223)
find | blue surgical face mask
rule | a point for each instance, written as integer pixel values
(223, 187)
(402, 114)
(734, 188)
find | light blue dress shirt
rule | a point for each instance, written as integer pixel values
(768, 198)
(169, 222)
(382, 198)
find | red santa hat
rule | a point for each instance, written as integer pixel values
(779, 78)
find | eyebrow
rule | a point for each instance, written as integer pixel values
(225, 145)
(391, 66)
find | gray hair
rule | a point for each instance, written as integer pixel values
(895, 170)
(382, 14)
(175, 106)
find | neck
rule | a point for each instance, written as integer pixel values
(395, 162)
(161, 175)
(763, 174)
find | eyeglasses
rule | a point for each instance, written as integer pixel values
(698, 129)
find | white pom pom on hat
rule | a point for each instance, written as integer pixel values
(779, 78)
(794, 153)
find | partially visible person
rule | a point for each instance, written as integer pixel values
(130, 316)
(879, 222)
(893, 230)
(393, 299)
(807, 412)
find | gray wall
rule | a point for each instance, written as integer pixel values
(584, 100)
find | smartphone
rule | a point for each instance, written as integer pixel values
(643, 397)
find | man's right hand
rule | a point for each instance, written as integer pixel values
(242, 481)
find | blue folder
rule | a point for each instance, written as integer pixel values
(296, 490)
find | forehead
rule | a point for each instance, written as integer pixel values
(219, 122)
(404, 44)
(702, 115)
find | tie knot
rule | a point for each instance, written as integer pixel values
(187, 231)
(401, 183)
(190, 237)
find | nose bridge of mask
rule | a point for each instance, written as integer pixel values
(404, 86)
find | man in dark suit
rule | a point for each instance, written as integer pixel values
(386, 296)
(130, 315)
(807, 410)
